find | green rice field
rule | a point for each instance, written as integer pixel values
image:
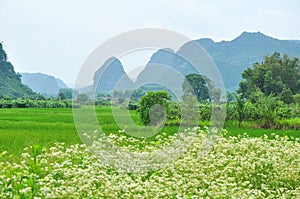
(21, 128)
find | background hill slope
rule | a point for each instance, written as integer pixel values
(10, 81)
(44, 84)
(231, 57)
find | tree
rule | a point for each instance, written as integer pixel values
(297, 99)
(82, 98)
(267, 107)
(137, 94)
(240, 109)
(230, 96)
(274, 76)
(3, 56)
(195, 84)
(62, 96)
(67, 91)
(153, 107)
(190, 110)
(286, 96)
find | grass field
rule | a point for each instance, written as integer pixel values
(20, 128)
(23, 127)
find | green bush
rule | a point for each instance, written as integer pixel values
(152, 100)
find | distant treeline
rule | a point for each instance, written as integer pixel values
(35, 103)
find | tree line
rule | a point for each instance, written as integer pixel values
(268, 96)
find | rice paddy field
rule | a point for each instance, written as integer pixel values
(42, 156)
(20, 128)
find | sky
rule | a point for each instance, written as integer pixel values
(56, 36)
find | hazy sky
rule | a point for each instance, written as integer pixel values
(56, 36)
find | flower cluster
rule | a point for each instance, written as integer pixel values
(235, 167)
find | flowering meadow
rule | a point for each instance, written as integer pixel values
(234, 167)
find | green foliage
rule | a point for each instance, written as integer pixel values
(34, 103)
(122, 94)
(190, 111)
(197, 85)
(150, 100)
(137, 94)
(68, 92)
(297, 99)
(275, 75)
(3, 56)
(10, 81)
(174, 112)
(103, 99)
(265, 111)
(82, 98)
(62, 96)
(230, 96)
(271, 91)
(286, 96)
(240, 106)
(205, 111)
(132, 105)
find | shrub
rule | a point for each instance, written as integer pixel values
(153, 100)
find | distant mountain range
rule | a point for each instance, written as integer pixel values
(44, 84)
(233, 57)
(230, 57)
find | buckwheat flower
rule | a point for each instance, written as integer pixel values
(286, 137)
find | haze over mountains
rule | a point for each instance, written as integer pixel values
(230, 57)
(44, 84)
(14, 84)
(233, 57)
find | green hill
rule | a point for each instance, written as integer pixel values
(10, 81)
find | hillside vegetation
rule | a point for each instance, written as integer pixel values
(10, 81)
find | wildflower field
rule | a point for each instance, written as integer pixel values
(54, 164)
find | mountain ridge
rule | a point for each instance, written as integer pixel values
(233, 57)
(44, 84)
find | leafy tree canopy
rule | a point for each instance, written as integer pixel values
(66, 92)
(197, 85)
(276, 75)
(153, 104)
(83, 98)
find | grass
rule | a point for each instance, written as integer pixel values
(233, 130)
(20, 128)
